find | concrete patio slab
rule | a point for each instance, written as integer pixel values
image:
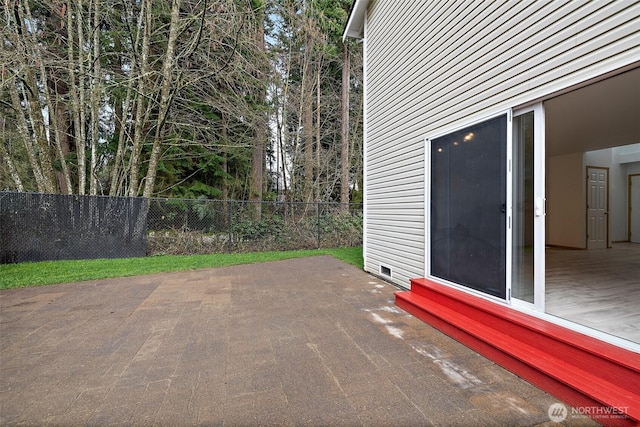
(309, 341)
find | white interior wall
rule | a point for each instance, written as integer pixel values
(565, 201)
(632, 168)
(618, 195)
(628, 153)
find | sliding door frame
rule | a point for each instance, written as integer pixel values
(539, 207)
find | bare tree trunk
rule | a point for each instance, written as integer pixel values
(36, 120)
(307, 136)
(225, 165)
(306, 101)
(259, 128)
(307, 127)
(64, 179)
(6, 159)
(257, 171)
(73, 94)
(75, 106)
(140, 99)
(318, 145)
(54, 136)
(283, 163)
(165, 98)
(283, 131)
(81, 135)
(23, 130)
(344, 154)
(119, 171)
(96, 86)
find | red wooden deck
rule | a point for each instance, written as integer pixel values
(586, 373)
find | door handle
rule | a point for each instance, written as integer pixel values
(539, 208)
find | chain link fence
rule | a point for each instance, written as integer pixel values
(35, 227)
(178, 226)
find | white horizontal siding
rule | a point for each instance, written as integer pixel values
(434, 66)
(392, 231)
(404, 186)
(409, 215)
(403, 264)
(436, 82)
(389, 145)
(404, 167)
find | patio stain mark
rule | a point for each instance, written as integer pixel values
(392, 330)
(502, 402)
(455, 373)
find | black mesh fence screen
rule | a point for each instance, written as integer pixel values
(36, 227)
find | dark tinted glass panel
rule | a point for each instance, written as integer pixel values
(468, 207)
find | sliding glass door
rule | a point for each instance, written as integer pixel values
(528, 208)
(468, 206)
(486, 205)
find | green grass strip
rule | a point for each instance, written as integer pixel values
(53, 272)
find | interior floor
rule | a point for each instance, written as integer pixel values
(597, 288)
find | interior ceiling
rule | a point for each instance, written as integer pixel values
(602, 115)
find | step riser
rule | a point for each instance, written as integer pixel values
(607, 362)
(582, 358)
(544, 382)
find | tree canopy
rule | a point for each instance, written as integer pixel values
(221, 99)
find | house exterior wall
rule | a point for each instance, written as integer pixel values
(434, 66)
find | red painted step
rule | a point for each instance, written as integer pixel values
(582, 371)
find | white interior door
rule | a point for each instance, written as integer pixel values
(634, 208)
(597, 207)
